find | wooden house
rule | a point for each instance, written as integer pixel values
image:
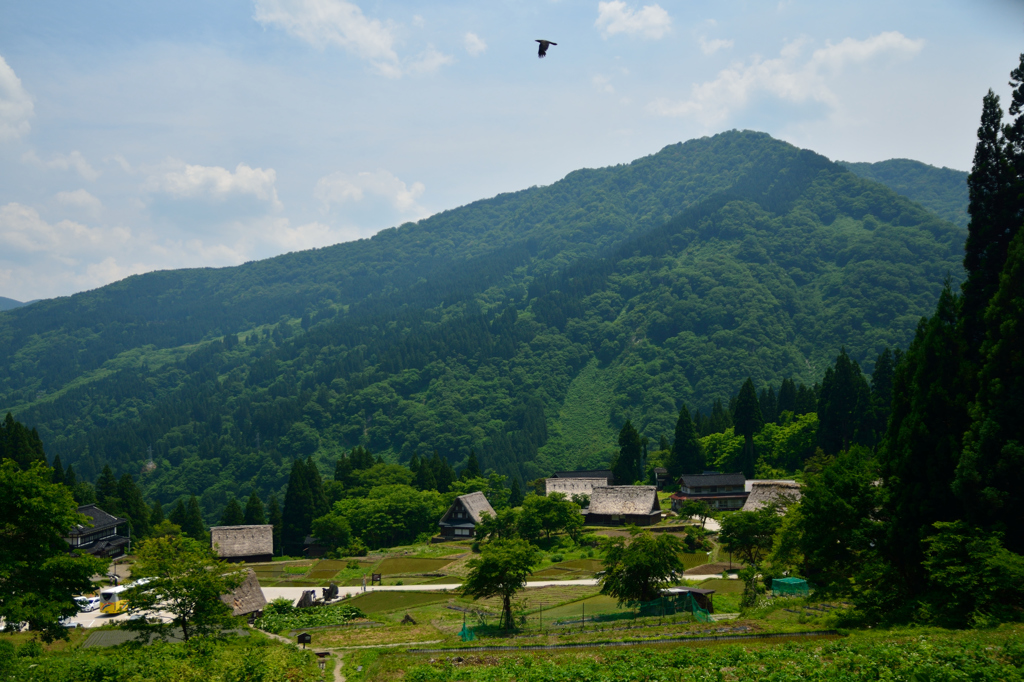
(621, 504)
(243, 543)
(462, 518)
(100, 537)
(721, 491)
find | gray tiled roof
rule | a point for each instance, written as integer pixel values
(98, 518)
(702, 480)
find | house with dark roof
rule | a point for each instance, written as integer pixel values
(614, 505)
(721, 491)
(462, 518)
(99, 537)
(243, 543)
(606, 474)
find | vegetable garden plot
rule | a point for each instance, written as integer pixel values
(410, 565)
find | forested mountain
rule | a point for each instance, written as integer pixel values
(942, 191)
(529, 326)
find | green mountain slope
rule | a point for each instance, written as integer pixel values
(943, 191)
(527, 326)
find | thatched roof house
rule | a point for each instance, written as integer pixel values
(781, 493)
(462, 518)
(619, 504)
(243, 543)
(573, 486)
(248, 598)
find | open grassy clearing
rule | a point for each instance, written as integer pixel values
(915, 654)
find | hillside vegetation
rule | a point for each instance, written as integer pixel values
(529, 326)
(942, 191)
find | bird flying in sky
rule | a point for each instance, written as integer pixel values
(544, 47)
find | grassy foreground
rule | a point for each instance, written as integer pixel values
(915, 655)
(250, 659)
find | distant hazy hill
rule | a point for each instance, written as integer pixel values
(9, 303)
(941, 190)
(528, 326)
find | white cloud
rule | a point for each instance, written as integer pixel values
(73, 161)
(713, 46)
(429, 61)
(785, 77)
(339, 188)
(22, 229)
(188, 181)
(79, 199)
(616, 17)
(475, 45)
(334, 22)
(16, 106)
(602, 84)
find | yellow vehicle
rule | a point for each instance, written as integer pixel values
(112, 600)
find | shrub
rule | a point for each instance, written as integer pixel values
(555, 558)
(31, 649)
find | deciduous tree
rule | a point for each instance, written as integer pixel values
(38, 576)
(637, 568)
(500, 571)
(186, 579)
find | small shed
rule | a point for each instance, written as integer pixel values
(704, 598)
(243, 543)
(790, 587)
(573, 486)
(462, 518)
(620, 504)
(247, 598)
(763, 492)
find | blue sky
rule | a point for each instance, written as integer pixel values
(142, 136)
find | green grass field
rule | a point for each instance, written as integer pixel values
(401, 565)
(377, 602)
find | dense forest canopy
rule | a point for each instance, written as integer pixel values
(529, 327)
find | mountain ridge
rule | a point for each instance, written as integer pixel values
(764, 269)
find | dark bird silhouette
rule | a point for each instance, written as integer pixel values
(544, 47)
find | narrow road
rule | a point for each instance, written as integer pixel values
(293, 593)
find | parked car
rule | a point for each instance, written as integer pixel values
(68, 623)
(86, 604)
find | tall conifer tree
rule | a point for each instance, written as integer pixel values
(923, 442)
(747, 420)
(232, 514)
(133, 506)
(294, 514)
(106, 491)
(156, 514)
(626, 467)
(990, 474)
(254, 514)
(58, 471)
(844, 406)
(194, 526)
(274, 517)
(687, 456)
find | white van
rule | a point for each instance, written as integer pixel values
(86, 604)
